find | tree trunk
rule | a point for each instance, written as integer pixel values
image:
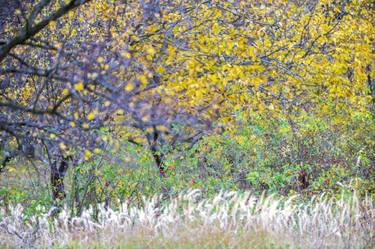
(58, 171)
(158, 160)
(156, 153)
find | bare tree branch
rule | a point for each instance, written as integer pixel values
(30, 31)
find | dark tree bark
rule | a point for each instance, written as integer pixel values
(159, 161)
(302, 180)
(155, 151)
(58, 171)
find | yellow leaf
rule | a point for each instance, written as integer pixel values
(62, 146)
(129, 87)
(126, 55)
(52, 24)
(87, 154)
(149, 130)
(100, 59)
(65, 91)
(143, 79)
(79, 86)
(161, 128)
(97, 150)
(216, 28)
(138, 140)
(90, 116)
(151, 51)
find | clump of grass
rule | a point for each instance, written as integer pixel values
(228, 220)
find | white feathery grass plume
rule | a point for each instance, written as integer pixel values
(228, 216)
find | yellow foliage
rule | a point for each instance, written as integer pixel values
(79, 86)
(90, 116)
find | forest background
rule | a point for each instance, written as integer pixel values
(110, 101)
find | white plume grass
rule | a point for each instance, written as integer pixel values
(228, 220)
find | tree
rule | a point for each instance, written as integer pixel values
(169, 72)
(25, 118)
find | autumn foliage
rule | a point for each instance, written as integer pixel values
(111, 100)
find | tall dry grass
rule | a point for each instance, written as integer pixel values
(228, 220)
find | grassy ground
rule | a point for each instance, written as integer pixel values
(186, 239)
(229, 220)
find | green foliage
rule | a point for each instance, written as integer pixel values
(34, 203)
(264, 155)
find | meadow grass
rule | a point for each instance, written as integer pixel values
(227, 220)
